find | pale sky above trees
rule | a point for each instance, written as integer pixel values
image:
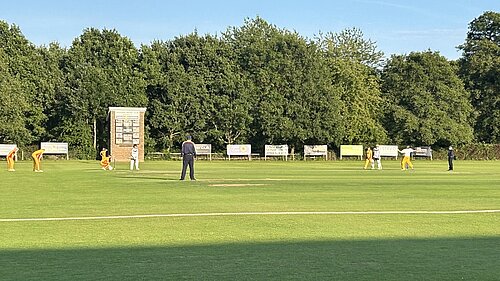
(397, 26)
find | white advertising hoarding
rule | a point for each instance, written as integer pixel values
(204, 149)
(388, 150)
(55, 148)
(239, 150)
(6, 148)
(315, 150)
(275, 150)
(424, 151)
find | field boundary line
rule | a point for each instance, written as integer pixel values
(254, 214)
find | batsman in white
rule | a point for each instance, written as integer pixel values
(376, 157)
(134, 158)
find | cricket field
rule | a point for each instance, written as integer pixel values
(251, 220)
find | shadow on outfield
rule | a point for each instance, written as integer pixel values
(426, 259)
(157, 178)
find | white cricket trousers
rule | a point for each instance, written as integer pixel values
(134, 162)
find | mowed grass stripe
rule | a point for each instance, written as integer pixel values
(81, 189)
(255, 214)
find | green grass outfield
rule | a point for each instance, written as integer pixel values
(273, 228)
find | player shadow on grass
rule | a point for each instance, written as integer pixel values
(416, 259)
(159, 178)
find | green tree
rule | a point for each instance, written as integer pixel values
(101, 70)
(52, 84)
(425, 101)
(26, 86)
(291, 97)
(480, 70)
(229, 100)
(352, 64)
(13, 106)
(176, 90)
(350, 44)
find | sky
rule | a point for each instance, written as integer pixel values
(397, 26)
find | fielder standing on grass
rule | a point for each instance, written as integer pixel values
(406, 158)
(451, 157)
(188, 153)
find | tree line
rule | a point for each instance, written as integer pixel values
(256, 83)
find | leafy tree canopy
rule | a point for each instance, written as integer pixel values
(425, 101)
(480, 71)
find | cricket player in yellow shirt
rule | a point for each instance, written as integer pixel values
(10, 159)
(406, 158)
(105, 160)
(369, 158)
(37, 157)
